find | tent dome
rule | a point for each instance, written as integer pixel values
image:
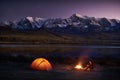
(41, 64)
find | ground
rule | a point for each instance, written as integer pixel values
(21, 71)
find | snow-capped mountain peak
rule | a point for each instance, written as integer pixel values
(38, 19)
(30, 19)
(77, 15)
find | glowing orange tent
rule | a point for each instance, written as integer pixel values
(41, 64)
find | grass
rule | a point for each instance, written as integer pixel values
(51, 39)
(9, 36)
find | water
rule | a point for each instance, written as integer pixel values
(77, 46)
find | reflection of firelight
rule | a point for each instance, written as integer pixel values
(79, 66)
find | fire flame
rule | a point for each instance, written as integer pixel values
(79, 66)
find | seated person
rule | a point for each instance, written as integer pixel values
(87, 63)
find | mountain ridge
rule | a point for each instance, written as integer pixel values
(76, 22)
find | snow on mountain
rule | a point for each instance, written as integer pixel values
(77, 15)
(30, 19)
(58, 22)
(76, 21)
(28, 23)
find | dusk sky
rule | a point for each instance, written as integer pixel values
(17, 9)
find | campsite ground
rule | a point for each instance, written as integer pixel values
(15, 62)
(21, 71)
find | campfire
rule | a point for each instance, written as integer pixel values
(85, 62)
(87, 67)
(78, 66)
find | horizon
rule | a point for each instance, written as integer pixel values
(57, 17)
(17, 9)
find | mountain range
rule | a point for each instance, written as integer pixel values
(76, 21)
(74, 29)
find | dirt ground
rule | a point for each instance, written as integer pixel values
(21, 71)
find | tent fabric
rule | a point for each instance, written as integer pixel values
(41, 64)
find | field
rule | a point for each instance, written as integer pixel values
(47, 37)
